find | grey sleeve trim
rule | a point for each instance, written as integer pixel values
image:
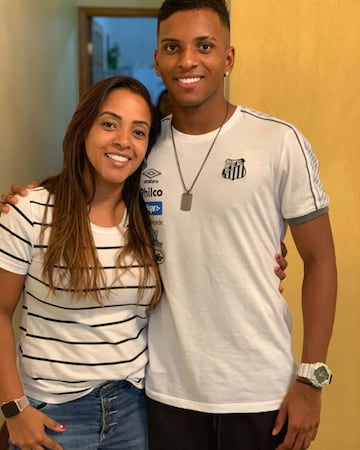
(303, 219)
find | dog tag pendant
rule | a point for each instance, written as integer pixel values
(186, 200)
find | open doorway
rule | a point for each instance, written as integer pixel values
(114, 41)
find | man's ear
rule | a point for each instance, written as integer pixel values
(156, 65)
(229, 60)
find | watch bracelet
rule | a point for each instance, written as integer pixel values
(306, 381)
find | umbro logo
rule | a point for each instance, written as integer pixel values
(151, 173)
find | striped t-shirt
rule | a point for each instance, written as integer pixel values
(67, 346)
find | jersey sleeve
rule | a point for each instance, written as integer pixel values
(302, 195)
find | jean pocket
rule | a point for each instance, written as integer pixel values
(37, 404)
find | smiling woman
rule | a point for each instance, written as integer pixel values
(117, 141)
(86, 259)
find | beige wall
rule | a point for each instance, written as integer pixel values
(300, 60)
(37, 86)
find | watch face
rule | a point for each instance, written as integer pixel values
(321, 374)
(10, 409)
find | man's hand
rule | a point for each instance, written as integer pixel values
(10, 197)
(27, 430)
(301, 410)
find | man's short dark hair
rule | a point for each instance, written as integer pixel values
(169, 7)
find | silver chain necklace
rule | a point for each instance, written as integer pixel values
(186, 197)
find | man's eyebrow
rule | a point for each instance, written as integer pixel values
(206, 38)
(169, 39)
(197, 39)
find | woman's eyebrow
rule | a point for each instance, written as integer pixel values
(116, 116)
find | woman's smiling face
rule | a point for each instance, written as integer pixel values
(118, 139)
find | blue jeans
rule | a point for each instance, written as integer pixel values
(111, 417)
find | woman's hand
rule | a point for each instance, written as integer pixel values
(27, 430)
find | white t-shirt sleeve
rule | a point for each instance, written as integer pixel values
(300, 187)
(16, 237)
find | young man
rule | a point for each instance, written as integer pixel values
(220, 186)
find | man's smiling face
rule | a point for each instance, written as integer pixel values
(192, 56)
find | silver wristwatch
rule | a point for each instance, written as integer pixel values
(317, 374)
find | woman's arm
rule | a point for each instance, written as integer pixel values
(27, 428)
(11, 286)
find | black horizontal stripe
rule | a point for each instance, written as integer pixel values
(51, 205)
(115, 247)
(15, 234)
(62, 381)
(42, 224)
(21, 214)
(85, 308)
(56, 266)
(73, 363)
(14, 257)
(62, 289)
(71, 322)
(51, 339)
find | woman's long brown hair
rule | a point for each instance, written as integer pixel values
(71, 249)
